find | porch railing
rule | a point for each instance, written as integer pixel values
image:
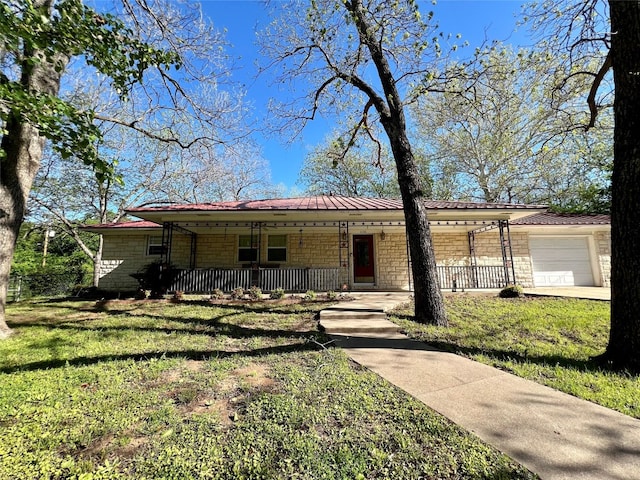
(470, 277)
(204, 280)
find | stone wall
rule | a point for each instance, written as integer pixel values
(392, 268)
(123, 255)
(126, 254)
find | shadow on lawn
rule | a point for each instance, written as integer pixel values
(145, 356)
(591, 364)
(213, 327)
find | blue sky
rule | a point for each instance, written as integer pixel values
(475, 20)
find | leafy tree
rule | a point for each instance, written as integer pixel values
(49, 259)
(358, 173)
(511, 134)
(609, 31)
(41, 40)
(371, 59)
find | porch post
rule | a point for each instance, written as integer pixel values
(167, 240)
(409, 270)
(507, 251)
(344, 270)
(474, 260)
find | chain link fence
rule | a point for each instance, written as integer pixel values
(22, 287)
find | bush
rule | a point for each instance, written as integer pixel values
(156, 277)
(178, 296)
(331, 295)
(277, 293)
(217, 294)
(511, 291)
(255, 293)
(237, 293)
(310, 295)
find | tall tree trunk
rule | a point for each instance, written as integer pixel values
(624, 339)
(97, 262)
(429, 304)
(23, 146)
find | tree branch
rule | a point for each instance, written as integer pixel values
(154, 136)
(591, 99)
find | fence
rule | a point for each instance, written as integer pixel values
(14, 293)
(42, 284)
(290, 279)
(470, 277)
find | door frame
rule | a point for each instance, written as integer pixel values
(370, 239)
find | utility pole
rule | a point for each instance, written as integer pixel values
(48, 233)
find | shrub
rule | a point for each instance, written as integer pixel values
(255, 293)
(277, 293)
(156, 277)
(140, 294)
(237, 293)
(511, 291)
(217, 294)
(331, 295)
(310, 295)
(178, 296)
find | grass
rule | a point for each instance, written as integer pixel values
(153, 389)
(547, 340)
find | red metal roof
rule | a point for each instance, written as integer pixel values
(322, 202)
(549, 218)
(130, 224)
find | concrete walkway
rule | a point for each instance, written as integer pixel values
(553, 434)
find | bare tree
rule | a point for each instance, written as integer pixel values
(157, 56)
(371, 59)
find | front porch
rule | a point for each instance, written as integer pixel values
(337, 256)
(313, 243)
(205, 280)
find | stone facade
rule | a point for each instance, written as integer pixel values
(126, 253)
(392, 266)
(123, 255)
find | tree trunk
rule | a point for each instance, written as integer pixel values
(23, 146)
(97, 262)
(623, 350)
(429, 304)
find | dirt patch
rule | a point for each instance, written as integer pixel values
(233, 393)
(256, 375)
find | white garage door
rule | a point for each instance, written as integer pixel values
(561, 261)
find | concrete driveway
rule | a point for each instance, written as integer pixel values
(591, 293)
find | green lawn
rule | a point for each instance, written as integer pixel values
(547, 340)
(192, 390)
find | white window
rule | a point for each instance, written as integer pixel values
(247, 250)
(154, 245)
(277, 248)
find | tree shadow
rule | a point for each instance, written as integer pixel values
(217, 326)
(592, 364)
(146, 356)
(510, 355)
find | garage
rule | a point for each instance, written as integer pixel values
(561, 261)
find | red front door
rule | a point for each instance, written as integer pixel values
(363, 271)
